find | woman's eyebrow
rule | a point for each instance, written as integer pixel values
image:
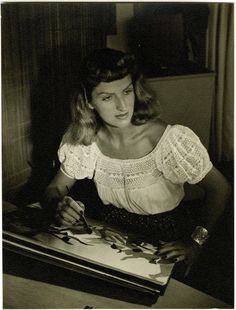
(108, 93)
(131, 84)
(104, 93)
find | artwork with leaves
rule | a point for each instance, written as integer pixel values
(102, 248)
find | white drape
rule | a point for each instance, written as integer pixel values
(220, 52)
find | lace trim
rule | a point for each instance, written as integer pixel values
(129, 182)
(179, 155)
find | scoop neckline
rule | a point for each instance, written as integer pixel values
(134, 159)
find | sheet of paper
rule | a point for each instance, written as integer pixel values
(113, 249)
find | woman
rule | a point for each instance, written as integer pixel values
(139, 163)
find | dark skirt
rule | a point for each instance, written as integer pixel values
(166, 226)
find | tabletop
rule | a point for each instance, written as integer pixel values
(32, 284)
(24, 293)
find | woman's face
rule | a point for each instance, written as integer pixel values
(114, 101)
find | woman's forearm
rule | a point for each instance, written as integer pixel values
(218, 192)
(214, 206)
(57, 189)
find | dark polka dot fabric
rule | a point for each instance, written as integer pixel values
(167, 226)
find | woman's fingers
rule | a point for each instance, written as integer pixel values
(170, 247)
(69, 210)
(180, 258)
(174, 254)
(173, 250)
(180, 250)
(77, 206)
(68, 217)
(71, 213)
(171, 253)
(115, 237)
(61, 221)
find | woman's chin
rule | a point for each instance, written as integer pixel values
(119, 123)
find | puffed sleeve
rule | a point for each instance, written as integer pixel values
(182, 157)
(77, 161)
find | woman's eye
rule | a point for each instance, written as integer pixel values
(107, 98)
(128, 91)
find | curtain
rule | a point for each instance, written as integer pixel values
(42, 45)
(220, 59)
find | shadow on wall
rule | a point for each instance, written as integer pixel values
(50, 114)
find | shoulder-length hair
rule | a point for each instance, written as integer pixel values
(107, 65)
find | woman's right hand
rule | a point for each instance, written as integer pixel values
(69, 211)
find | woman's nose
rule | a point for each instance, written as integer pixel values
(120, 104)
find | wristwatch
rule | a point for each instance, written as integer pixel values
(200, 235)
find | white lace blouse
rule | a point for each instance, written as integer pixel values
(148, 185)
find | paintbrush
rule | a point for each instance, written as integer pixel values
(82, 217)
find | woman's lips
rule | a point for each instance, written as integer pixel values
(122, 116)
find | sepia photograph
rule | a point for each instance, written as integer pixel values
(117, 155)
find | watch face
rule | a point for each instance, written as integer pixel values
(200, 235)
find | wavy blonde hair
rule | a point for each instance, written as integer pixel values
(107, 65)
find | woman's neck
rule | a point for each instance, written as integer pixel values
(119, 134)
(130, 142)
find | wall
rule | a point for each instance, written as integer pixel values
(124, 12)
(187, 100)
